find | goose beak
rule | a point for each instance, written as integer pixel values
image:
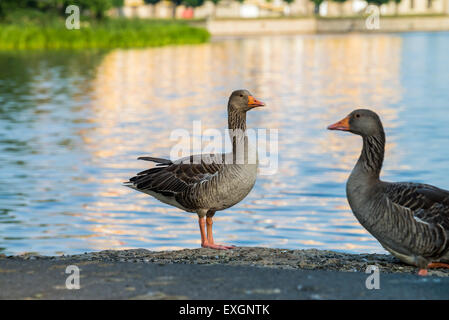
(253, 102)
(342, 125)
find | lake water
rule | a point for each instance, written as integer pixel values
(73, 123)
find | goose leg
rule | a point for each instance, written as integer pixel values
(423, 272)
(210, 237)
(209, 223)
(205, 243)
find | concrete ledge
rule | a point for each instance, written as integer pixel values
(261, 26)
(240, 27)
(241, 273)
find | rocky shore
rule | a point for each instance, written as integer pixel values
(241, 273)
(310, 259)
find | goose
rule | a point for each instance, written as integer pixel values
(207, 183)
(410, 220)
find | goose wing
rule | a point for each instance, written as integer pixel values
(171, 178)
(427, 203)
(417, 220)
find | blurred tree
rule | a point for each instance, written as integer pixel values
(118, 3)
(9, 6)
(377, 2)
(97, 8)
(193, 3)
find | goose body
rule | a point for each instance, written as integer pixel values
(410, 220)
(207, 183)
(197, 182)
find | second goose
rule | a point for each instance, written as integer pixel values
(410, 220)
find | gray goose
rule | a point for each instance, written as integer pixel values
(207, 183)
(410, 220)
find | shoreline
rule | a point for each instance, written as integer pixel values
(206, 274)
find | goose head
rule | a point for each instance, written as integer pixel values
(243, 101)
(362, 122)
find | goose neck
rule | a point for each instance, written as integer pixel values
(372, 156)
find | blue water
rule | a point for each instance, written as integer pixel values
(73, 123)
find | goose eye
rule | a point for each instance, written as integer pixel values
(357, 115)
(241, 95)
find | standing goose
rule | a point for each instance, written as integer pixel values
(410, 220)
(207, 183)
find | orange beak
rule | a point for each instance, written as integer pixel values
(253, 102)
(342, 125)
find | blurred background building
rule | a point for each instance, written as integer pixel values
(275, 8)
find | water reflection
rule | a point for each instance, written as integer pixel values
(73, 124)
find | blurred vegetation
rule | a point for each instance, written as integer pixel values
(31, 24)
(93, 8)
(109, 33)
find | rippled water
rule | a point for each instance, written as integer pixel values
(72, 124)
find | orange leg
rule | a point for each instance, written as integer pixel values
(208, 241)
(209, 223)
(423, 272)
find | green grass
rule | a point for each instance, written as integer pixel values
(49, 32)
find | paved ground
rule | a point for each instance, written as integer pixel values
(131, 274)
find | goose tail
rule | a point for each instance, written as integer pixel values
(159, 161)
(128, 184)
(147, 174)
